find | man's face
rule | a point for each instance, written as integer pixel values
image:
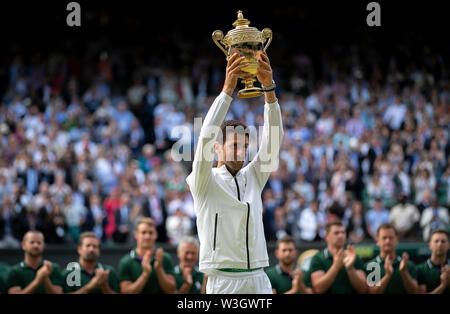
(336, 236)
(89, 250)
(188, 254)
(286, 253)
(387, 240)
(33, 244)
(439, 244)
(233, 151)
(145, 235)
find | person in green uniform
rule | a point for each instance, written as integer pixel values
(3, 273)
(88, 275)
(144, 269)
(388, 273)
(433, 275)
(188, 278)
(284, 276)
(335, 269)
(33, 274)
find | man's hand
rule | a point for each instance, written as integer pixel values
(404, 263)
(158, 259)
(146, 267)
(44, 271)
(187, 275)
(388, 266)
(445, 275)
(264, 76)
(338, 258)
(350, 256)
(104, 274)
(49, 267)
(297, 279)
(233, 72)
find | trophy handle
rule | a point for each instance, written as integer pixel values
(267, 36)
(218, 36)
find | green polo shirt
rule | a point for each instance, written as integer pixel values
(429, 275)
(130, 268)
(2, 286)
(282, 281)
(197, 280)
(85, 277)
(3, 273)
(22, 275)
(395, 285)
(323, 260)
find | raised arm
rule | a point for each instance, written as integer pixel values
(266, 160)
(204, 154)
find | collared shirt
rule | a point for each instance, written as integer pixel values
(130, 268)
(197, 280)
(21, 275)
(323, 260)
(429, 274)
(282, 281)
(70, 284)
(395, 285)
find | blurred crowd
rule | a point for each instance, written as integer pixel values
(85, 141)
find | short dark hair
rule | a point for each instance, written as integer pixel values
(32, 232)
(285, 239)
(85, 235)
(232, 126)
(386, 225)
(334, 222)
(443, 231)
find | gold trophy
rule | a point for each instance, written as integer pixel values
(248, 42)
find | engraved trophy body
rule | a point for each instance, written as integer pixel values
(248, 42)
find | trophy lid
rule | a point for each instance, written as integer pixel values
(242, 33)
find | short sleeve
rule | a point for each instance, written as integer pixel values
(124, 270)
(412, 269)
(359, 264)
(13, 279)
(316, 264)
(57, 277)
(419, 273)
(113, 281)
(273, 282)
(168, 265)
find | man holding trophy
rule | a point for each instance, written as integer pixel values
(227, 198)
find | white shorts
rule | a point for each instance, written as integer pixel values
(255, 282)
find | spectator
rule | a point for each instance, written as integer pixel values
(312, 223)
(188, 278)
(59, 190)
(121, 217)
(434, 217)
(34, 275)
(111, 205)
(9, 228)
(284, 277)
(433, 275)
(337, 270)
(95, 218)
(398, 274)
(155, 208)
(86, 145)
(146, 269)
(405, 218)
(375, 217)
(75, 216)
(55, 227)
(356, 224)
(94, 277)
(178, 223)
